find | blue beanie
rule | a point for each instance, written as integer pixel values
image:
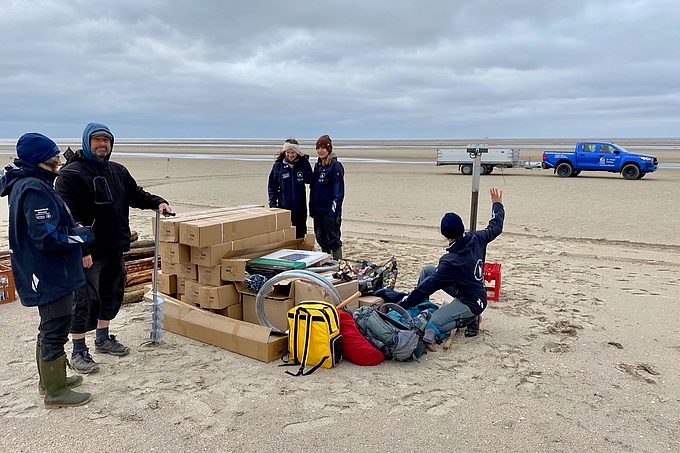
(452, 226)
(35, 148)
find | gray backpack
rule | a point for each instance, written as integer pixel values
(397, 341)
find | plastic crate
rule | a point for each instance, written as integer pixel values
(492, 275)
(7, 292)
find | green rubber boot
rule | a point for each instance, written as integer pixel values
(71, 381)
(337, 253)
(57, 395)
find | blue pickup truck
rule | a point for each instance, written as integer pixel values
(599, 156)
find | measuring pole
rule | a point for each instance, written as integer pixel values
(475, 152)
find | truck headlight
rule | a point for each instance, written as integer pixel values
(648, 159)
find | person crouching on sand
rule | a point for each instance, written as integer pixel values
(460, 272)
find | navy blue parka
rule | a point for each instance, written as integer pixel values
(286, 186)
(45, 244)
(327, 190)
(462, 267)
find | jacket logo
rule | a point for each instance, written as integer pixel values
(34, 283)
(42, 214)
(479, 271)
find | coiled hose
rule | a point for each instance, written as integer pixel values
(289, 275)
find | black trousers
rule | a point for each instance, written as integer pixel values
(299, 221)
(102, 294)
(55, 321)
(327, 232)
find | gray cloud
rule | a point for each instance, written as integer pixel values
(380, 69)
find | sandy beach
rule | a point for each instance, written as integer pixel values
(581, 353)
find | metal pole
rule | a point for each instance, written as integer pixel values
(475, 151)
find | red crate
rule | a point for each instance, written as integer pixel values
(7, 292)
(492, 274)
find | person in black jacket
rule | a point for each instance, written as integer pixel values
(46, 260)
(290, 173)
(326, 196)
(460, 272)
(100, 193)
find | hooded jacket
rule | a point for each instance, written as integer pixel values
(100, 194)
(45, 244)
(327, 189)
(462, 267)
(286, 186)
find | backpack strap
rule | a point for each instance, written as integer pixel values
(399, 309)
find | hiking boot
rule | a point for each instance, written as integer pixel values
(111, 346)
(83, 363)
(473, 327)
(57, 394)
(71, 381)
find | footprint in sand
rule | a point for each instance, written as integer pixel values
(297, 428)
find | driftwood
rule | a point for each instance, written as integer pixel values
(133, 296)
(136, 278)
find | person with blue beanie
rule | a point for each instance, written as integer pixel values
(460, 272)
(100, 193)
(45, 253)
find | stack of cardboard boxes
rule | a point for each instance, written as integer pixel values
(203, 267)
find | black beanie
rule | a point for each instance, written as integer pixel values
(452, 226)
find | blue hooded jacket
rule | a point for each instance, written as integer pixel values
(45, 244)
(462, 267)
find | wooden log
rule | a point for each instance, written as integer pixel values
(449, 339)
(139, 277)
(133, 296)
(142, 244)
(139, 265)
(138, 253)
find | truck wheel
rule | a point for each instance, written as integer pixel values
(564, 170)
(642, 175)
(630, 171)
(466, 169)
(575, 173)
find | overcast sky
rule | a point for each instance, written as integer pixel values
(352, 69)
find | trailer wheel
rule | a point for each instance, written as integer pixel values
(466, 169)
(484, 170)
(630, 171)
(564, 170)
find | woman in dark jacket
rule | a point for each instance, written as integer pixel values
(326, 196)
(290, 173)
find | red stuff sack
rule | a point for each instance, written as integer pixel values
(356, 348)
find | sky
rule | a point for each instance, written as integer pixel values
(381, 69)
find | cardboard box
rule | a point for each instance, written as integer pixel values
(210, 275)
(234, 269)
(232, 311)
(276, 309)
(169, 226)
(167, 283)
(306, 290)
(213, 254)
(172, 252)
(228, 227)
(181, 289)
(217, 297)
(370, 300)
(257, 342)
(192, 290)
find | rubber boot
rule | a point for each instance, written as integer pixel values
(472, 327)
(57, 395)
(71, 381)
(337, 253)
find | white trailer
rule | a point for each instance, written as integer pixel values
(496, 157)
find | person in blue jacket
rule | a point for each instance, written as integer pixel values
(326, 196)
(287, 190)
(460, 272)
(45, 253)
